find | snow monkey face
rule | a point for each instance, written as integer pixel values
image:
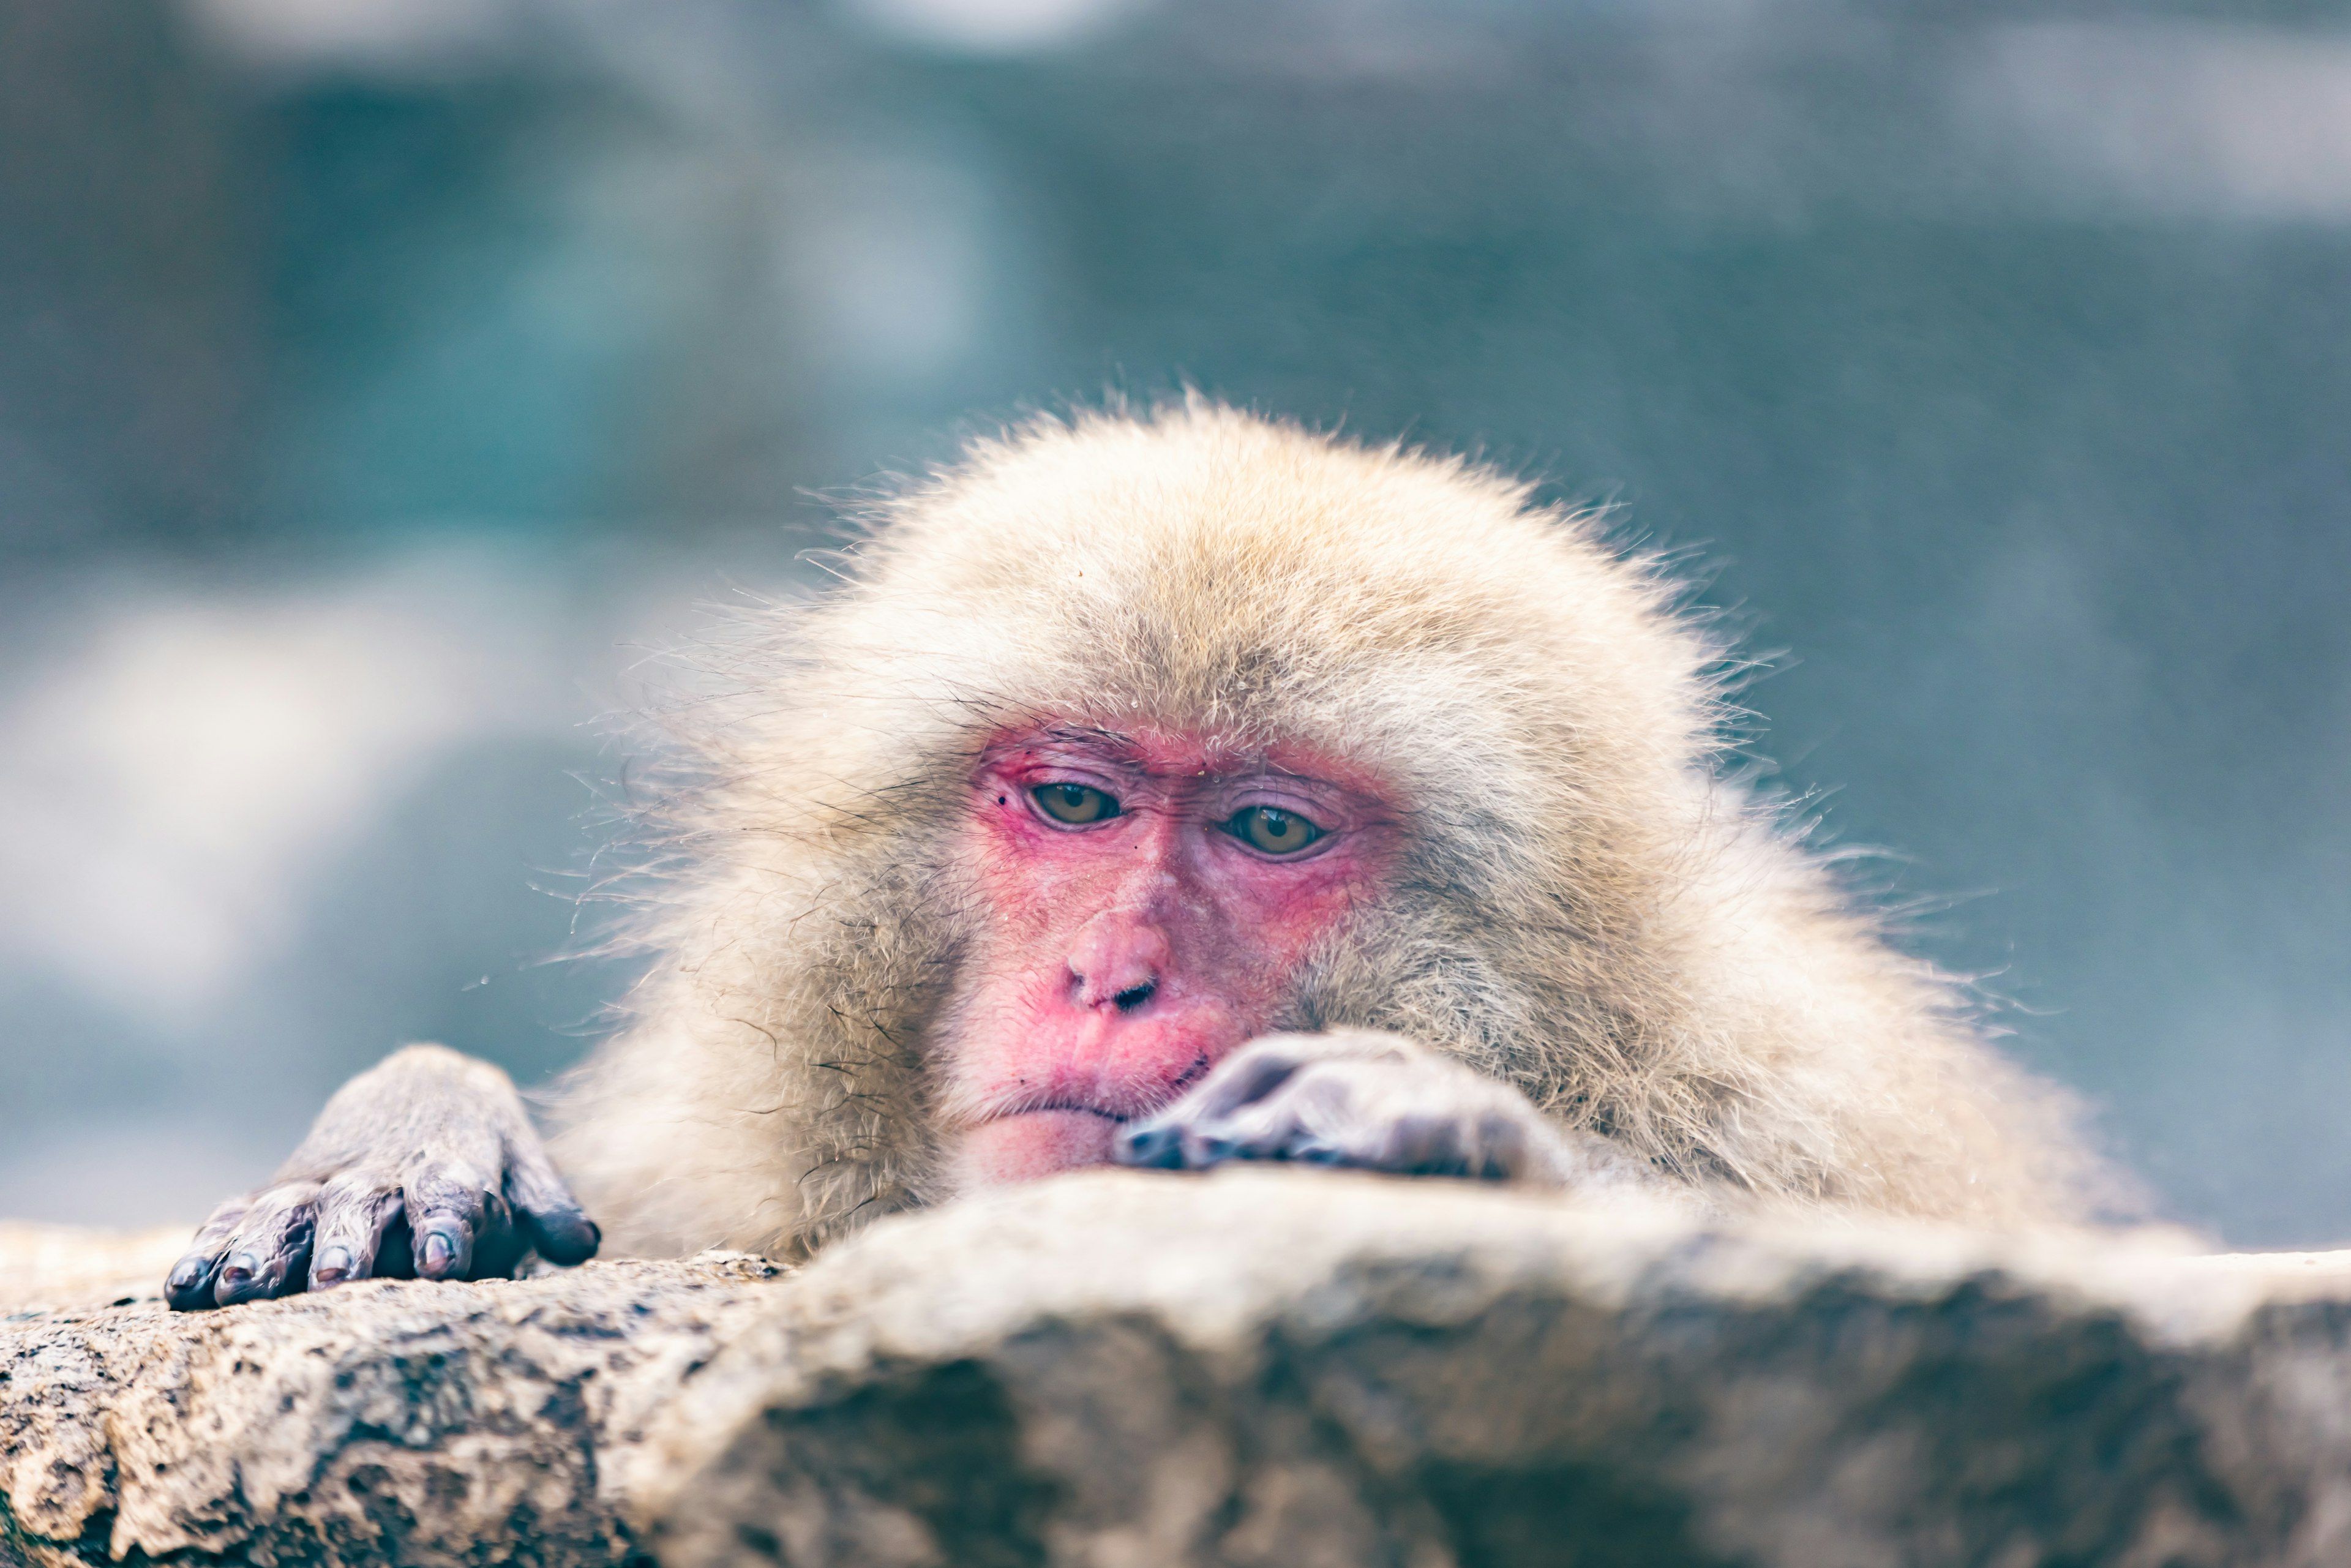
(1149, 901)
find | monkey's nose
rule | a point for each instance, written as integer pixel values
(1117, 961)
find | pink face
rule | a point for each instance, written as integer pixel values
(1152, 899)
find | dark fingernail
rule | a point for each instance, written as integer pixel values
(333, 1267)
(438, 1255)
(238, 1270)
(189, 1273)
(1150, 1146)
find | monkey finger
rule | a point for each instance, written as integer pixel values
(1264, 1131)
(1434, 1125)
(1266, 1067)
(1343, 1110)
(1155, 1142)
(1435, 1118)
(558, 1229)
(1502, 1147)
(1198, 1134)
(1271, 1062)
(189, 1287)
(1249, 1074)
(270, 1253)
(459, 1225)
(355, 1209)
(1165, 1141)
(1418, 1142)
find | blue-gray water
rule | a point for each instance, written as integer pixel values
(378, 377)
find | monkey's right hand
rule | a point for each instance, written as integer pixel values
(425, 1165)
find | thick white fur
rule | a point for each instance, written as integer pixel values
(1589, 909)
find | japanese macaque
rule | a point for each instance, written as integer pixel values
(1178, 789)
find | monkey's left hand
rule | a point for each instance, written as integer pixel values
(425, 1165)
(1371, 1101)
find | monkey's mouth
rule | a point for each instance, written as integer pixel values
(1062, 1107)
(1062, 1121)
(1110, 1096)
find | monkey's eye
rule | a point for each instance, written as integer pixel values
(1273, 830)
(1076, 804)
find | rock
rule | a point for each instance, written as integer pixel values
(384, 1422)
(1265, 1366)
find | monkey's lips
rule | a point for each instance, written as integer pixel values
(1048, 1088)
(1028, 1145)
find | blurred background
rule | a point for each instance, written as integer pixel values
(378, 378)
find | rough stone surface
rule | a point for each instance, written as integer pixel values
(1267, 1367)
(383, 1423)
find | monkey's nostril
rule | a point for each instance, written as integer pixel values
(1135, 997)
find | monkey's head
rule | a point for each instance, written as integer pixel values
(1170, 733)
